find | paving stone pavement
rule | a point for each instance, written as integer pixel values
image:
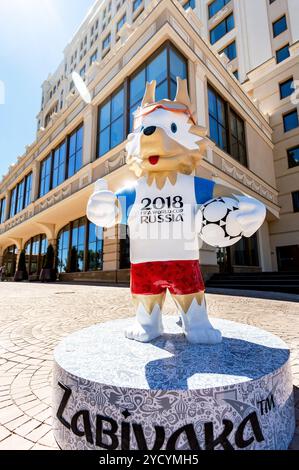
(35, 317)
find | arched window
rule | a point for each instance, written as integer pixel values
(35, 250)
(80, 247)
(10, 260)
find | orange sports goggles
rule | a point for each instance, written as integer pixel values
(171, 106)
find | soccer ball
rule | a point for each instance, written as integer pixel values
(220, 227)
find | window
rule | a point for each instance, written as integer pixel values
(227, 129)
(45, 176)
(20, 196)
(111, 122)
(75, 151)
(282, 54)
(216, 6)
(35, 250)
(121, 23)
(164, 66)
(271, 1)
(290, 121)
(95, 248)
(13, 199)
(236, 74)
(76, 259)
(28, 189)
(136, 4)
(279, 26)
(94, 57)
(286, 88)
(2, 210)
(230, 51)
(218, 119)
(237, 138)
(82, 71)
(106, 42)
(10, 260)
(77, 252)
(63, 243)
(189, 4)
(222, 28)
(293, 156)
(295, 197)
(59, 159)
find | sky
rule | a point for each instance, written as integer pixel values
(33, 35)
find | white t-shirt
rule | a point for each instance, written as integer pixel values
(162, 221)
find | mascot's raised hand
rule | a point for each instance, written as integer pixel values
(166, 211)
(102, 207)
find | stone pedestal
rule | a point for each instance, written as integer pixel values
(113, 393)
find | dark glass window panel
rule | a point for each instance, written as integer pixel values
(279, 26)
(106, 42)
(222, 132)
(117, 132)
(290, 121)
(137, 86)
(45, 176)
(245, 252)
(104, 141)
(13, 198)
(117, 105)
(105, 115)
(295, 197)
(212, 103)
(63, 249)
(157, 68)
(95, 248)
(282, 54)
(162, 90)
(214, 130)
(136, 4)
(216, 6)
(230, 51)
(20, 196)
(59, 165)
(221, 114)
(222, 28)
(28, 190)
(293, 156)
(121, 22)
(189, 4)
(2, 210)
(75, 152)
(286, 88)
(178, 67)
(236, 74)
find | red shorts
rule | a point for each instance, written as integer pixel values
(153, 278)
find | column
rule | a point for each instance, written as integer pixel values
(201, 96)
(90, 134)
(35, 180)
(7, 206)
(111, 249)
(264, 247)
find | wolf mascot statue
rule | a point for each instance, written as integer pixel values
(164, 212)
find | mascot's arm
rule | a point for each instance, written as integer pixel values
(102, 207)
(251, 213)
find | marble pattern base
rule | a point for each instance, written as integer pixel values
(113, 393)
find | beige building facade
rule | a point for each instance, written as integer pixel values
(119, 46)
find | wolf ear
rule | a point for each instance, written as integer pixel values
(182, 95)
(150, 94)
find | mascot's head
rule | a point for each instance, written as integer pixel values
(165, 140)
